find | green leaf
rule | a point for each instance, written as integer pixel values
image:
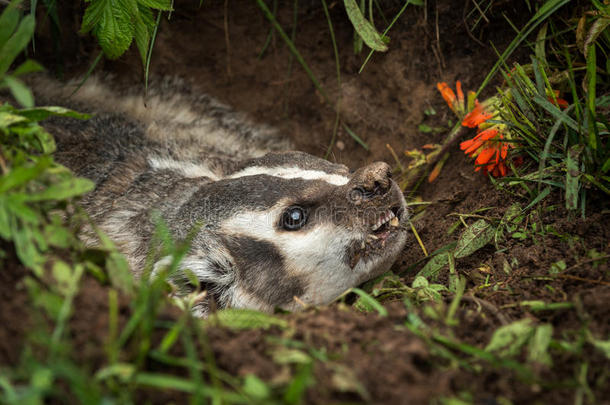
(29, 66)
(572, 177)
(255, 387)
(116, 28)
(5, 230)
(124, 372)
(507, 340)
(355, 137)
(165, 5)
(145, 23)
(540, 41)
(603, 346)
(598, 26)
(62, 190)
(20, 91)
(58, 236)
(93, 14)
(539, 345)
(7, 119)
(246, 319)
(41, 113)
(22, 174)
(368, 303)
(8, 22)
(16, 43)
(46, 141)
(539, 305)
(365, 29)
(474, 238)
(434, 266)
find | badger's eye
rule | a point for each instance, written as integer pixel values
(293, 218)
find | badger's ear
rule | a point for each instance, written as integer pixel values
(199, 273)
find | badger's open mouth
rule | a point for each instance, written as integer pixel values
(383, 231)
(387, 222)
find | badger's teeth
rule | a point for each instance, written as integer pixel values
(371, 236)
(386, 217)
(394, 222)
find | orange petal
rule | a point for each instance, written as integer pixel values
(460, 94)
(476, 117)
(504, 150)
(466, 144)
(487, 134)
(447, 94)
(434, 173)
(484, 156)
(502, 169)
(475, 145)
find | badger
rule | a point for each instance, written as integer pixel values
(268, 227)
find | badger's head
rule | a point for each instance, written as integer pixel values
(290, 228)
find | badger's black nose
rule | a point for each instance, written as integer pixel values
(372, 180)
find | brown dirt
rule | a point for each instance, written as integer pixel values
(384, 105)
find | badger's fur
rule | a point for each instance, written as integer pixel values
(277, 228)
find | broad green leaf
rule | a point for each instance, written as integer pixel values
(365, 29)
(434, 266)
(124, 371)
(16, 43)
(368, 303)
(15, 204)
(23, 174)
(5, 230)
(165, 5)
(7, 119)
(285, 355)
(63, 190)
(474, 238)
(143, 29)
(8, 22)
(29, 66)
(603, 345)
(507, 340)
(58, 236)
(63, 275)
(296, 390)
(116, 28)
(20, 91)
(93, 14)
(46, 141)
(246, 319)
(118, 271)
(25, 248)
(539, 345)
(255, 387)
(41, 113)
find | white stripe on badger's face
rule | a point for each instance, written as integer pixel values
(292, 173)
(316, 254)
(187, 169)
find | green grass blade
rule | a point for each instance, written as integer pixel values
(547, 9)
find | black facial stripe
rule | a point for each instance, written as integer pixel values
(261, 272)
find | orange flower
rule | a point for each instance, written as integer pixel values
(476, 117)
(448, 95)
(460, 94)
(470, 146)
(485, 160)
(559, 102)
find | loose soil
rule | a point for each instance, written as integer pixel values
(380, 359)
